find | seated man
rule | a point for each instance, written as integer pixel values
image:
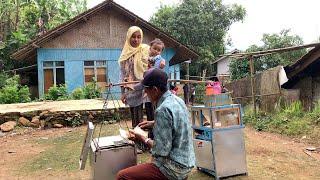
(172, 150)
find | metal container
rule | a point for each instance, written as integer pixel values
(109, 155)
(224, 155)
(204, 155)
(218, 140)
(229, 152)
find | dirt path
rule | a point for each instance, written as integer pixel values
(269, 156)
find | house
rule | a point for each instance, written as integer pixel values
(304, 75)
(88, 46)
(223, 63)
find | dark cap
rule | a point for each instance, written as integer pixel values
(155, 77)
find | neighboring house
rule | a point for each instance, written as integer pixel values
(304, 75)
(223, 64)
(88, 46)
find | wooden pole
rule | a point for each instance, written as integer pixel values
(188, 71)
(252, 84)
(170, 80)
(270, 51)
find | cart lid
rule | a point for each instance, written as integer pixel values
(108, 142)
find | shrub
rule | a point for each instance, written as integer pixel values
(314, 115)
(3, 78)
(91, 90)
(77, 94)
(293, 110)
(74, 121)
(13, 92)
(200, 93)
(57, 93)
(24, 94)
(290, 120)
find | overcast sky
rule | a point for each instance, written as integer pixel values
(263, 16)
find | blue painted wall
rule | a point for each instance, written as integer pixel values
(74, 66)
(74, 74)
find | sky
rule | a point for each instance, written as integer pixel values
(263, 16)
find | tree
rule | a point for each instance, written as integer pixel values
(200, 24)
(23, 20)
(240, 68)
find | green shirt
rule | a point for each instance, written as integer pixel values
(173, 148)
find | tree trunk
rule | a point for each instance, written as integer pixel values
(17, 2)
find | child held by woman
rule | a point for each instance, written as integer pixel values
(155, 60)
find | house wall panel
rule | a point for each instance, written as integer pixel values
(74, 68)
(74, 77)
(105, 29)
(223, 66)
(305, 86)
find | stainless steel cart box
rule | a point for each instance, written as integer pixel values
(223, 156)
(218, 140)
(110, 155)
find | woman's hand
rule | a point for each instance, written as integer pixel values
(124, 99)
(146, 124)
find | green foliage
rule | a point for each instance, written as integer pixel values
(200, 24)
(240, 68)
(314, 115)
(290, 120)
(92, 90)
(19, 22)
(13, 92)
(293, 110)
(200, 93)
(74, 121)
(3, 78)
(116, 117)
(78, 94)
(57, 93)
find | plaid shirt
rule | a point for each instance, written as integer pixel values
(173, 148)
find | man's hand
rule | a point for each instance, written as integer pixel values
(136, 136)
(146, 124)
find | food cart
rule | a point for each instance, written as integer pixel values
(218, 137)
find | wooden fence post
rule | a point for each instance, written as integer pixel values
(252, 84)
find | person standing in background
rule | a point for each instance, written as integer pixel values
(186, 93)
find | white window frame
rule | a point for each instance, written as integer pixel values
(95, 66)
(54, 68)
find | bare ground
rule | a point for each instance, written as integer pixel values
(68, 105)
(54, 154)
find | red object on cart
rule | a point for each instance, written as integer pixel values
(213, 88)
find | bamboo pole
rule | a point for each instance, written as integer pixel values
(170, 80)
(256, 95)
(252, 84)
(270, 51)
